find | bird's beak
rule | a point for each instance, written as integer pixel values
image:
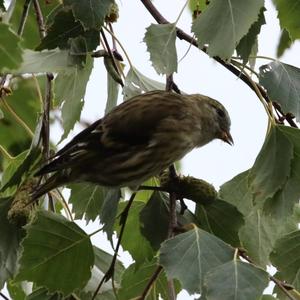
(227, 138)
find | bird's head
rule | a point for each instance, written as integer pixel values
(218, 120)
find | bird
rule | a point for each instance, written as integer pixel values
(137, 140)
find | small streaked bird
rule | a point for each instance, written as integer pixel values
(137, 140)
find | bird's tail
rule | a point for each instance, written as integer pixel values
(51, 183)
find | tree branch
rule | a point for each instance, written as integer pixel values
(24, 17)
(186, 37)
(279, 283)
(45, 133)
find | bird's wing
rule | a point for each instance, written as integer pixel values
(135, 121)
(86, 139)
(130, 124)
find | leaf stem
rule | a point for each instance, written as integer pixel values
(121, 46)
(184, 36)
(16, 117)
(272, 278)
(5, 153)
(181, 12)
(24, 16)
(150, 283)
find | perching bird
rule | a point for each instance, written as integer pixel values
(137, 140)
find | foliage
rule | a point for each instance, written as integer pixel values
(219, 248)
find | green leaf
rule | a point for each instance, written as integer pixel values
(282, 83)
(109, 211)
(155, 232)
(88, 199)
(10, 236)
(70, 89)
(10, 50)
(235, 280)
(197, 252)
(234, 19)
(135, 280)
(8, 182)
(112, 93)
(197, 5)
(248, 42)
(237, 192)
(64, 27)
(272, 166)
(258, 236)
(282, 204)
(285, 42)
(52, 242)
(42, 294)
(16, 290)
(91, 14)
(133, 241)
(32, 156)
(13, 136)
(285, 257)
(136, 83)
(160, 40)
(222, 219)
(102, 263)
(44, 61)
(31, 35)
(103, 260)
(288, 14)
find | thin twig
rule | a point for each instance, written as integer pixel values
(5, 153)
(150, 283)
(3, 296)
(279, 283)
(120, 44)
(45, 133)
(16, 117)
(23, 17)
(110, 272)
(186, 37)
(39, 18)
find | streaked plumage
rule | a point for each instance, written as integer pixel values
(137, 140)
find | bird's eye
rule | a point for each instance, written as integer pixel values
(220, 112)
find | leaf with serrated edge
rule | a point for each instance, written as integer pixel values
(136, 83)
(235, 280)
(272, 166)
(52, 242)
(70, 89)
(234, 18)
(190, 255)
(90, 13)
(10, 50)
(133, 241)
(160, 40)
(282, 82)
(285, 257)
(237, 192)
(248, 42)
(221, 219)
(288, 14)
